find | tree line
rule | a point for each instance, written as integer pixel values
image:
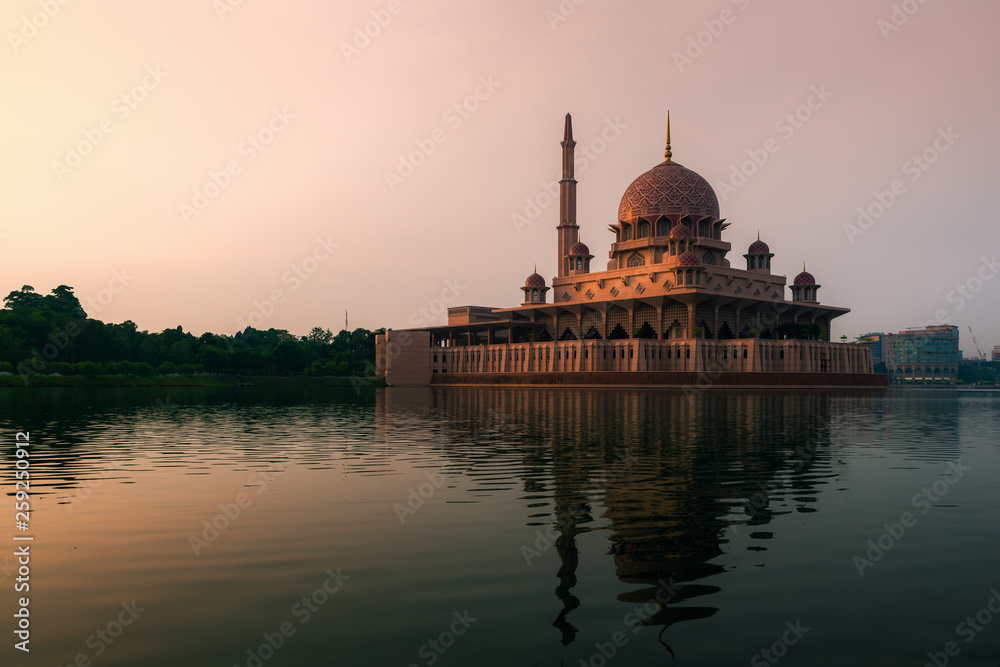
(51, 333)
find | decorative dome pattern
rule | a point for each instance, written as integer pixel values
(579, 248)
(668, 188)
(680, 231)
(534, 280)
(804, 278)
(757, 247)
(688, 259)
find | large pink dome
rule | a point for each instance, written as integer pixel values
(668, 188)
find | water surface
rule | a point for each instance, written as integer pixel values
(506, 527)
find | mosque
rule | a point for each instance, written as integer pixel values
(668, 310)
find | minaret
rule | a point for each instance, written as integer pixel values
(568, 231)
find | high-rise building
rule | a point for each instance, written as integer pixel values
(876, 342)
(996, 353)
(918, 355)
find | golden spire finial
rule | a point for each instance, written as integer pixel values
(667, 153)
(758, 235)
(803, 266)
(536, 267)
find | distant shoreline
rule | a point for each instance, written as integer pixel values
(14, 381)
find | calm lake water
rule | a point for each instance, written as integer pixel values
(506, 527)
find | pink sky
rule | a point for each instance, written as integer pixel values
(305, 211)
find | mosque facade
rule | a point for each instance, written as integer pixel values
(669, 308)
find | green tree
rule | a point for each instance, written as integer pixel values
(289, 357)
(214, 358)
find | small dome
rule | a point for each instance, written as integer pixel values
(579, 249)
(758, 247)
(680, 231)
(804, 278)
(688, 259)
(534, 280)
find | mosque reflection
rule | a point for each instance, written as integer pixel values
(667, 477)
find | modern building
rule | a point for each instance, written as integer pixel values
(996, 353)
(923, 355)
(669, 308)
(876, 343)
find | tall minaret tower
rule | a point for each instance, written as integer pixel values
(568, 230)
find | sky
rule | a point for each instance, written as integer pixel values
(218, 163)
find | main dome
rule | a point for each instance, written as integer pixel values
(668, 188)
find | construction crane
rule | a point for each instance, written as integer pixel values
(982, 356)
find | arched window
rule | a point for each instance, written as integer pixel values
(643, 230)
(702, 229)
(751, 263)
(579, 263)
(708, 258)
(663, 228)
(635, 259)
(689, 277)
(628, 233)
(534, 295)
